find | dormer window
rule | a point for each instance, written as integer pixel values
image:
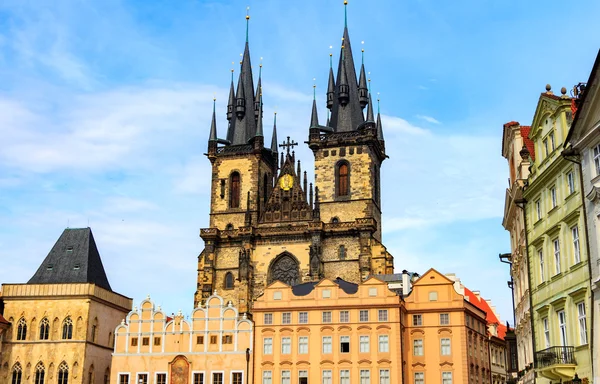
(49, 267)
(70, 249)
(76, 267)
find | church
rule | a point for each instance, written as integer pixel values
(267, 223)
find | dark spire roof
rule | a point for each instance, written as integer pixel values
(73, 259)
(243, 127)
(258, 97)
(370, 116)
(314, 118)
(259, 124)
(346, 117)
(362, 87)
(330, 88)
(231, 102)
(379, 127)
(274, 137)
(213, 124)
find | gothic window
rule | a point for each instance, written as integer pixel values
(229, 280)
(222, 189)
(343, 179)
(44, 329)
(285, 269)
(17, 374)
(234, 190)
(63, 373)
(229, 227)
(342, 252)
(67, 330)
(22, 329)
(40, 373)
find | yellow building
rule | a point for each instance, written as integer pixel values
(213, 345)
(557, 250)
(444, 335)
(328, 332)
(62, 320)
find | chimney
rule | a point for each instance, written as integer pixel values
(406, 286)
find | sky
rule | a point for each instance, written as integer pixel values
(105, 110)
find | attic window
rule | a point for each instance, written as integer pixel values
(70, 249)
(49, 267)
(76, 267)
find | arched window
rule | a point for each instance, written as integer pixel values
(229, 280)
(234, 190)
(63, 373)
(343, 180)
(229, 227)
(40, 373)
(91, 374)
(335, 220)
(17, 374)
(22, 329)
(44, 329)
(94, 330)
(67, 330)
(342, 252)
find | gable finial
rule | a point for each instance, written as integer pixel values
(247, 21)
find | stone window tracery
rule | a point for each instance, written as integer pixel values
(285, 269)
(63, 373)
(44, 329)
(228, 280)
(22, 329)
(67, 333)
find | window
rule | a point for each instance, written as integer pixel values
(419, 377)
(433, 296)
(445, 344)
(44, 329)
(40, 373)
(344, 376)
(344, 344)
(157, 341)
(268, 346)
(364, 315)
(326, 376)
(142, 378)
(93, 332)
(382, 315)
(384, 376)
(326, 317)
(145, 341)
(552, 144)
(597, 159)
(267, 377)
(286, 377)
(268, 318)
(302, 377)
(17, 374)
(67, 331)
(213, 339)
(199, 339)
(277, 295)
(553, 196)
(538, 209)
(571, 182)
(123, 378)
(343, 180)
(576, 250)
(556, 256)
(303, 345)
(161, 378)
(364, 344)
(227, 339)
(22, 329)
(342, 252)
(286, 318)
(384, 345)
(546, 332)
(417, 320)
(228, 280)
(63, 373)
(134, 341)
(326, 340)
(444, 318)
(418, 347)
(562, 326)
(365, 376)
(234, 192)
(217, 378)
(286, 345)
(446, 377)
(344, 316)
(326, 294)
(542, 274)
(582, 323)
(303, 317)
(546, 151)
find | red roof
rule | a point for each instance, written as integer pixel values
(527, 141)
(490, 316)
(511, 123)
(3, 320)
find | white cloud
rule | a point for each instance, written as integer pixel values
(428, 119)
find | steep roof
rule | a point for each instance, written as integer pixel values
(73, 259)
(490, 316)
(525, 129)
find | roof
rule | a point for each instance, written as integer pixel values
(306, 288)
(3, 320)
(73, 259)
(525, 129)
(490, 316)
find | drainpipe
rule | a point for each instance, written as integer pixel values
(566, 153)
(511, 283)
(248, 366)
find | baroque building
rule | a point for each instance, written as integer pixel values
(62, 320)
(267, 223)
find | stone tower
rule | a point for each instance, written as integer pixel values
(267, 222)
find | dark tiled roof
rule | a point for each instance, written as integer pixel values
(73, 259)
(306, 288)
(389, 277)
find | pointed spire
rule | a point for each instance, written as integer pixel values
(298, 170)
(363, 91)
(328, 122)
(274, 136)
(305, 185)
(330, 84)
(379, 127)
(247, 22)
(231, 102)
(257, 99)
(314, 118)
(343, 88)
(259, 124)
(370, 116)
(240, 100)
(213, 124)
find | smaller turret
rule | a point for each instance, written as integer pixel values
(240, 100)
(330, 84)
(343, 88)
(363, 91)
(257, 102)
(231, 102)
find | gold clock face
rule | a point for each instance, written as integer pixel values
(286, 182)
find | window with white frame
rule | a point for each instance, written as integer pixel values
(286, 345)
(552, 143)
(542, 273)
(267, 377)
(344, 316)
(556, 245)
(553, 196)
(198, 378)
(382, 315)
(236, 378)
(302, 376)
(384, 343)
(418, 347)
(142, 378)
(161, 378)
(419, 377)
(303, 317)
(303, 345)
(571, 182)
(546, 332)
(326, 376)
(446, 377)
(345, 344)
(445, 346)
(562, 327)
(364, 344)
(217, 378)
(268, 346)
(268, 318)
(124, 378)
(444, 318)
(365, 376)
(538, 209)
(326, 317)
(597, 159)
(286, 318)
(364, 315)
(344, 376)
(384, 376)
(417, 320)
(326, 343)
(286, 377)
(576, 249)
(582, 323)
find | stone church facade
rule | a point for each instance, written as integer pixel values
(267, 223)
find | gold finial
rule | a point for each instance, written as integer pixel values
(260, 65)
(345, 2)
(241, 56)
(247, 13)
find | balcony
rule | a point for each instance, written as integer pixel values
(556, 363)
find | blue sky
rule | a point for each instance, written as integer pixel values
(105, 112)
